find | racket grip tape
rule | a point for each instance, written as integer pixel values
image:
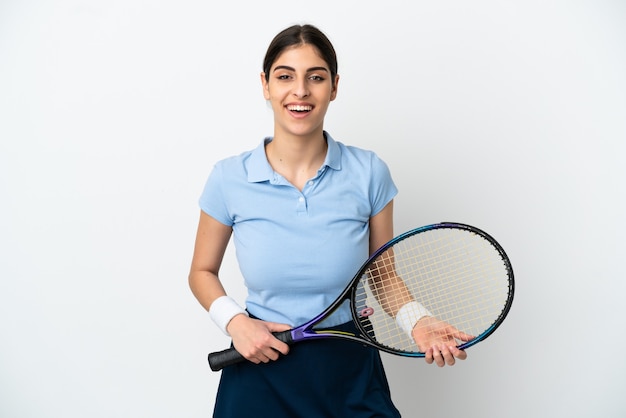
(220, 359)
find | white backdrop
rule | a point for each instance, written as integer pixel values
(507, 115)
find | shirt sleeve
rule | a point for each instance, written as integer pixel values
(382, 186)
(213, 200)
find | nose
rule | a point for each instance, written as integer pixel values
(301, 89)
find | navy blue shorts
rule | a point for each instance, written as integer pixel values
(318, 379)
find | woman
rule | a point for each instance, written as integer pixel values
(305, 212)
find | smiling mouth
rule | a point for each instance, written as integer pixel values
(299, 108)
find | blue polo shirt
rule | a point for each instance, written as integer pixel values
(297, 250)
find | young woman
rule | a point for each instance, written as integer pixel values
(305, 212)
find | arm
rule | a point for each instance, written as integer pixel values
(388, 288)
(396, 294)
(211, 240)
(251, 337)
(437, 339)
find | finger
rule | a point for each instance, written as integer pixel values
(267, 354)
(438, 357)
(261, 355)
(460, 354)
(272, 355)
(447, 356)
(429, 356)
(280, 347)
(264, 359)
(278, 344)
(257, 357)
(277, 327)
(459, 335)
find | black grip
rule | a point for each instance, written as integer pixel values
(284, 336)
(221, 359)
(230, 356)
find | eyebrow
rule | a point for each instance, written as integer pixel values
(288, 68)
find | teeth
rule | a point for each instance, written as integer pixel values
(300, 108)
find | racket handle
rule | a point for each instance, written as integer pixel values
(224, 358)
(220, 359)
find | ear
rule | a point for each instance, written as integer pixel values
(333, 94)
(266, 87)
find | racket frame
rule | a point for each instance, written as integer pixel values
(307, 331)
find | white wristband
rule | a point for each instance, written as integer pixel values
(222, 310)
(409, 314)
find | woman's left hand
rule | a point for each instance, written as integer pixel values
(438, 340)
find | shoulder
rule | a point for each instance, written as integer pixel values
(358, 153)
(234, 161)
(250, 165)
(354, 155)
(361, 158)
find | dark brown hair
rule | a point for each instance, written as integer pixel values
(297, 35)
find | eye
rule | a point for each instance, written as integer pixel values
(316, 78)
(283, 77)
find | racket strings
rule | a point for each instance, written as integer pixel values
(455, 274)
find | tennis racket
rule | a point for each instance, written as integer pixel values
(454, 272)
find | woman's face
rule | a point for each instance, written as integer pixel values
(299, 88)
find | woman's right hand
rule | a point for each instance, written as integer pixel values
(253, 338)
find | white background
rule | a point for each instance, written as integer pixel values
(507, 115)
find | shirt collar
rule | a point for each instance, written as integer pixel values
(259, 169)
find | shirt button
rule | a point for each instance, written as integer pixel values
(301, 199)
(311, 183)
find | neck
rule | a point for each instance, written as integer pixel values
(297, 158)
(296, 151)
